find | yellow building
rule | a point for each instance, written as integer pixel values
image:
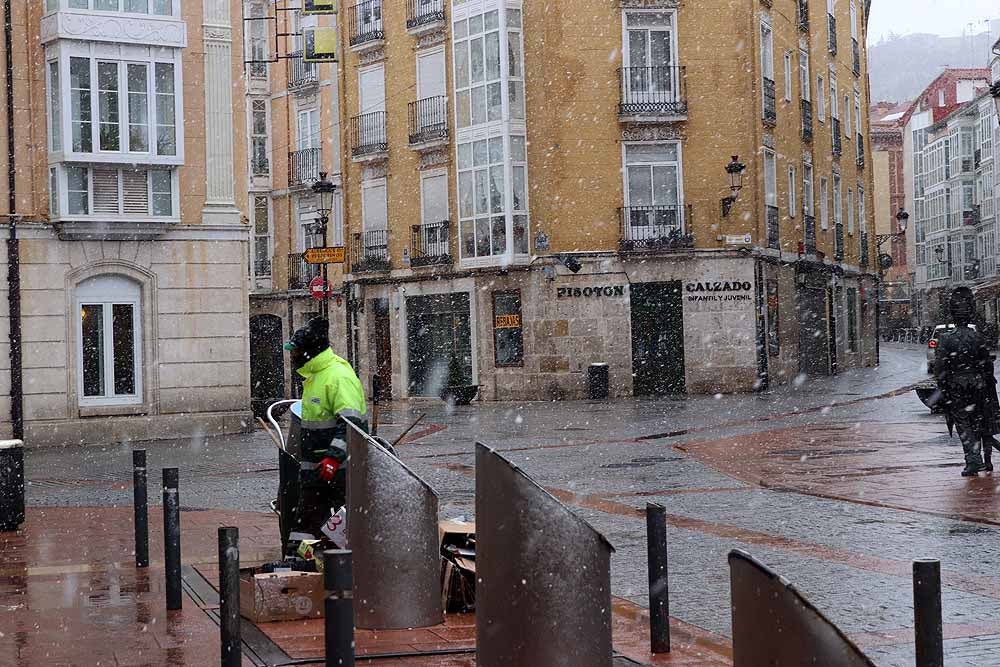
(125, 310)
(532, 188)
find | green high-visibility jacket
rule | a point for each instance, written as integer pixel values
(331, 392)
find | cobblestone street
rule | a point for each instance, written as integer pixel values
(837, 484)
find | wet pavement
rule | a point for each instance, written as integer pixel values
(836, 483)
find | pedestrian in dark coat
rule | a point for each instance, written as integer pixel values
(963, 368)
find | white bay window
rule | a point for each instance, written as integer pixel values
(153, 7)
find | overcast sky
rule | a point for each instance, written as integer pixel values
(939, 17)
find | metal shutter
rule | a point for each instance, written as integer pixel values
(135, 189)
(105, 185)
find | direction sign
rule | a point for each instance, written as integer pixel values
(320, 289)
(324, 255)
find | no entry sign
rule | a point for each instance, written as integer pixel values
(319, 288)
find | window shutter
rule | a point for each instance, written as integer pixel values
(105, 184)
(136, 192)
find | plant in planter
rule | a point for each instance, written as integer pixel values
(457, 389)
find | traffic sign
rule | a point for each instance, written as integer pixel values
(320, 289)
(333, 255)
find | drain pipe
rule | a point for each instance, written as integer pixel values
(13, 250)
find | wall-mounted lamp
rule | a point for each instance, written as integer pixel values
(735, 171)
(995, 92)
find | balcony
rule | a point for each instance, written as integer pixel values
(803, 15)
(652, 94)
(838, 242)
(856, 52)
(809, 222)
(831, 44)
(977, 158)
(370, 251)
(863, 254)
(773, 228)
(807, 121)
(770, 103)
(430, 244)
(424, 16)
(652, 228)
(368, 137)
(972, 217)
(861, 151)
(428, 123)
(836, 146)
(364, 24)
(301, 74)
(300, 273)
(303, 167)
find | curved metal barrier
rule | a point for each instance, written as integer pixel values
(774, 625)
(392, 528)
(543, 575)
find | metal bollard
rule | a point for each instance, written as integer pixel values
(229, 597)
(172, 538)
(140, 504)
(338, 608)
(927, 612)
(659, 591)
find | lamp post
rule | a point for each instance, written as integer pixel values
(885, 262)
(325, 192)
(735, 170)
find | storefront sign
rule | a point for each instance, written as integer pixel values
(590, 292)
(508, 322)
(720, 291)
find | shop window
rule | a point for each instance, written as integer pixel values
(508, 333)
(109, 341)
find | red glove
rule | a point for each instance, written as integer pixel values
(327, 468)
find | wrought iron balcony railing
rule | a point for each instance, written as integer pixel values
(856, 52)
(838, 241)
(655, 228)
(423, 12)
(428, 119)
(370, 251)
(368, 134)
(773, 228)
(835, 135)
(863, 253)
(770, 102)
(653, 91)
(807, 120)
(809, 222)
(831, 24)
(300, 72)
(860, 145)
(430, 244)
(364, 22)
(304, 167)
(299, 272)
(803, 15)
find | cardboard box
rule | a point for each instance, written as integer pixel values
(280, 596)
(458, 566)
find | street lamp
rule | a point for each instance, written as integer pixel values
(325, 191)
(735, 170)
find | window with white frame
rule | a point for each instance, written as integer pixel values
(260, 206)
(478, 89)
(862, 221)
(653, 190)
(820, 98)
(483, 226)
(374, 205)
(824, 203)
(837, 202)
(109, 341)
(854, 21)
(834, 104)
(788, 76)
(808, 206)
(770, 179)
(515, 65)
(258, 52)
(260, 163)
(154, 7)
(434, 214)
(308, 135)
(857, 112)
(650, 54)
(847, 116)
(850, 212)
(767, 68)
(792, 185)
(123, 108)
(805, 81)
(110, 192)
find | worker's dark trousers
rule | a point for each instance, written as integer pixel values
(317, 499)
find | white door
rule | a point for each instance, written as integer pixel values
(371, 82)
(435, 211)
(649, 55)
(430, 74)
(308, 129)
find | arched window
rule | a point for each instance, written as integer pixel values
(109, 341)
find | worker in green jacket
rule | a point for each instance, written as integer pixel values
(331, 393)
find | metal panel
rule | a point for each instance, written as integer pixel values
(393, 531)
(774, 625)
(543, 575)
